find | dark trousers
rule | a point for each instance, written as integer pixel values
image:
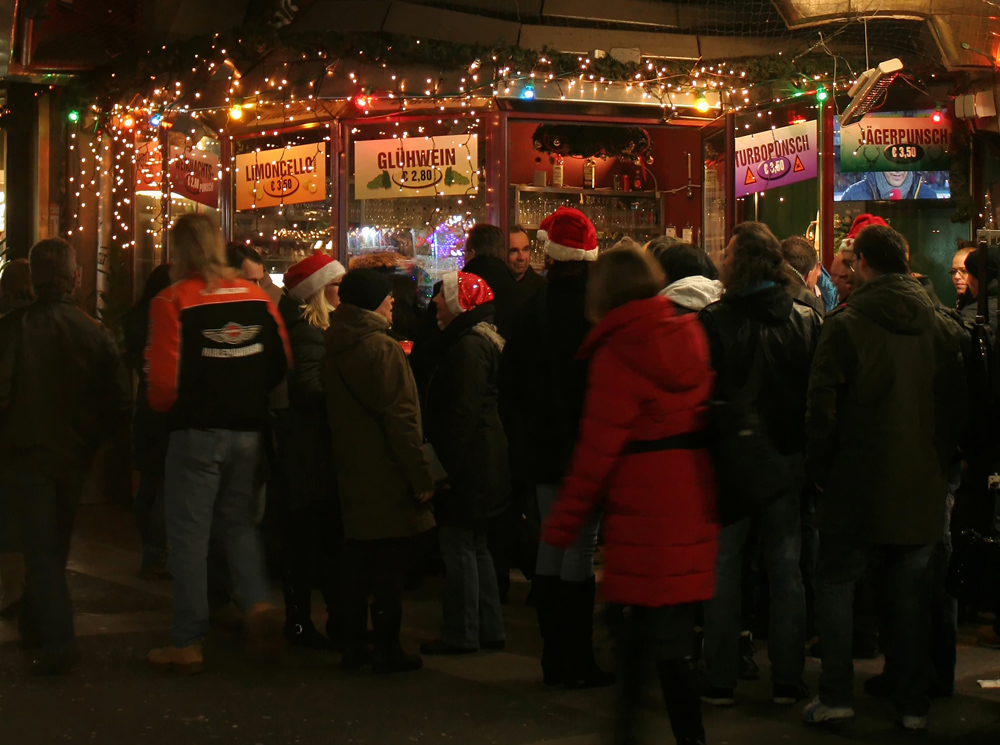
(662, 638)
(902, 577)
(313, 548)
(150, 518)
(374, 568)
(42, 498)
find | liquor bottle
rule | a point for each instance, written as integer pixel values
(589, 173)
(557, 173)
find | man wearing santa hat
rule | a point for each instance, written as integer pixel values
(545, 383)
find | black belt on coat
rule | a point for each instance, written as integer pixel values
(686, 441)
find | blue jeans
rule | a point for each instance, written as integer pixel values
(576, 564)
(150, 519)
(780, 526)
(210, 486)
(41, 498)
(903, 576)
(471, 602)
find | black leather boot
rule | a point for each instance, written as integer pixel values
(548, 606)
(580, 669)
(299, 628)
(354, 627)
(389, 656)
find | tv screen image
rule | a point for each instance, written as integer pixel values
(887, 186)
(880, 184)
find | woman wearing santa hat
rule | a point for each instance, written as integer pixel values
(462, 422)
(545, 384)
(313, 533)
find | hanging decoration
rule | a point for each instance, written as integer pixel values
(625, 143)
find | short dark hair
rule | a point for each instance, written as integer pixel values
(486, 240)
(518, 229)
(237, 253)
(15, 284)
(53, 266)
(620, 276)
(800, 254)
(757, 258)
(883, 249)
(682, 260)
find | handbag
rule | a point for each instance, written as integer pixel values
(438, 474)
(750, 473)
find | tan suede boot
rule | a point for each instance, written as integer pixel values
(265, 623)
(184, 661)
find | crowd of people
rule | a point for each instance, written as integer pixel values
(758, 435)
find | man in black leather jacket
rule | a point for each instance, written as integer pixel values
(762, 338)
(63, 391)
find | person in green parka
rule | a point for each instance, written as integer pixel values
(382, 474)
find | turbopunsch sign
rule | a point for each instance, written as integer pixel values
(416, 167)
(775, 157)
(289, 175)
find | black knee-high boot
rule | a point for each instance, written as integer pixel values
(549, 607)
(299, 628)
(680, 694)
(580, 669)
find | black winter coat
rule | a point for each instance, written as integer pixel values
(507, 293)
(887, 398)
(62, 383)
(785, 331)
(543, 383)
(462, 421)
(150, 429)
(530, 283)
(305, 445)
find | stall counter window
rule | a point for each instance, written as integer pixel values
(413, 193)
(282, 195)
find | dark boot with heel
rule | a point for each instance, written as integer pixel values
(548, 606)
(580, 668)
(389, 656)
(299, 629)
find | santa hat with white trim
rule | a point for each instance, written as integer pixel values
(312, 274)
(464, 291)
(861, 222)
(568, 235)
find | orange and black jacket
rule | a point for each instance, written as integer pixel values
(214, 354)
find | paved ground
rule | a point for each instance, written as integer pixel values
(482, 699)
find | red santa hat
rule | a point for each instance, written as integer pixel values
(861, 222)
(569, 236)
(312, 274)
(464, 291)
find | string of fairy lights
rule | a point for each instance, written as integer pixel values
(140, 118)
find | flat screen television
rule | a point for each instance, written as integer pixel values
(885, 186)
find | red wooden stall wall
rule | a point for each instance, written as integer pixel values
(669, 168)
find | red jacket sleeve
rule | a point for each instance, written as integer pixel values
(163, 351)
(609, 410)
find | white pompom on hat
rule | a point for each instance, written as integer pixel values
(568, 235)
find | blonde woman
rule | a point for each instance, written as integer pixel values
(217, 346)
(313, 531)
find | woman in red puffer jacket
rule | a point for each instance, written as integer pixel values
(641, 458)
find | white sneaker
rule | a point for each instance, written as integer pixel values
(913, 724)
(817, 712)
